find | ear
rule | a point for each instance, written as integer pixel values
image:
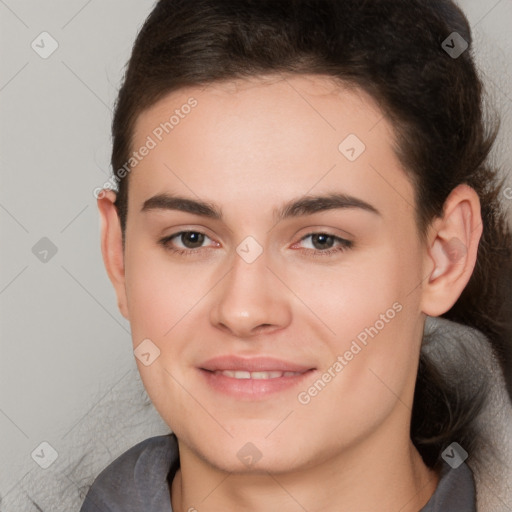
(452, 246)
(112, 246)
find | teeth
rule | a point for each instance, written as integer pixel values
(255, 375)
(266, 375)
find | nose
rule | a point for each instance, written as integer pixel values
(251, 300)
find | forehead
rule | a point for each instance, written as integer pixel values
(266, 135)
(273, 101)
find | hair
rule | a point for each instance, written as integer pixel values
(392, 50)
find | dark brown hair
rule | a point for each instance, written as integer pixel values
(393, 50)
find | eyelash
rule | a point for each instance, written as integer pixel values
(345, 244)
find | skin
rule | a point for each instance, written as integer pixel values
(249, 147)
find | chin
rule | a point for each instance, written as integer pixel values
(251, 454)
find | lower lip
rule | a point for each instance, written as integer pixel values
(252, 389)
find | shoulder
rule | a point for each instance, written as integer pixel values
(455, 490)
(136, 476)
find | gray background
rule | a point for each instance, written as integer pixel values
(65, 348)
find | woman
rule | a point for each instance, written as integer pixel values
(301, 184)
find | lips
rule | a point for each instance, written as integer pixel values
(252, 365)
(254, 378)
(241, 374)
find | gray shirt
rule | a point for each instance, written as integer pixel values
(138, 481)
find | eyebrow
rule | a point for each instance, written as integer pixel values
(306, 205)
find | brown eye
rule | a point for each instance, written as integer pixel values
(192, 239)
(322, 241)
(324, 244)
(185, 242)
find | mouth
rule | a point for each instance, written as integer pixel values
(252, 378)
(241, 374)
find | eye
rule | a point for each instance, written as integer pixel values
(323, 244)
(191, 242)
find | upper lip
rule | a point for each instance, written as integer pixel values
(251, 364)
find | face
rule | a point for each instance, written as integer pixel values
(273, 318)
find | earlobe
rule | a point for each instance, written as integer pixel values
(452, 249)
(112, 246)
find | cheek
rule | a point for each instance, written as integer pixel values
(162, 299)
(369, 374)
(160, 292)
(350, 295)
(370, 312)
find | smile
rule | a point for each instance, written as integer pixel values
(241, 374)
(243, 385)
